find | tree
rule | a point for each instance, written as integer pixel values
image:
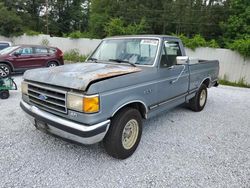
(67, 16)
(10, 23)
(222, 20)
(116, 26)
(100, 13)
(237, 26)
(29, 11)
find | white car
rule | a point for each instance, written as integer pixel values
(5, 44)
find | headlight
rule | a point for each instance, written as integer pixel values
(81, 103)
(24, 88)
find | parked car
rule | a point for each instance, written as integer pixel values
(124, 80)
(4, 44)
(23, 57)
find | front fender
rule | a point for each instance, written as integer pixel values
(8, 63)
(129, 103)
(112, 103)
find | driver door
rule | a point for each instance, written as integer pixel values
(174, 78)
(23, 58)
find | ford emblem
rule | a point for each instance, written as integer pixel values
(43, 97)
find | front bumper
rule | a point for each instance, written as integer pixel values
(85, 134)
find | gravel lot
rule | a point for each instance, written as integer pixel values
(180, 148)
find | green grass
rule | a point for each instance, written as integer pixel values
(240, 83)
(74, 56)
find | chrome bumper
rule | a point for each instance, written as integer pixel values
(85, 134)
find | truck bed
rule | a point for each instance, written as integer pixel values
(204, 69)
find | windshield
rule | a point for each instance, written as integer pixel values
(3, 45)
(137, 50)
(8, 50)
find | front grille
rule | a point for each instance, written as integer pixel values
(47, 98)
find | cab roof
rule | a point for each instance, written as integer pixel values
(141, 36)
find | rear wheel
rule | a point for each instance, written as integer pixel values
(200, 99)
(52, 64)
(124, 133)
(4, 94)
(4, 70)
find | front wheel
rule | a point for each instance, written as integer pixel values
(4, 70)
(124, 133)
(198, 102)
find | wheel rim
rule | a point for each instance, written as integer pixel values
(203, 97)
(52, 65)
(6, 71)
(130, 134)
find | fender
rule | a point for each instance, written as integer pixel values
(8, 63)
(209, 78)
(131, 102)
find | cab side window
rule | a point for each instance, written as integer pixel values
(169, 53)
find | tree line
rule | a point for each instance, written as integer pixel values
(223, 21)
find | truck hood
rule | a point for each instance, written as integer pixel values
(78, 76)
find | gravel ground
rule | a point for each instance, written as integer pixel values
(180, 148)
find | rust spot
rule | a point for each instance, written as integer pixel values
(98, 77)
(117, 72)
(110, 74)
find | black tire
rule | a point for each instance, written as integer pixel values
(5, 70)
(113, 141)
(52, 64)
(197, 103)
(4, 94)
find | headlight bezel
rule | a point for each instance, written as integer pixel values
(77, 102)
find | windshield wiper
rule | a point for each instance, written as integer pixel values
(93, 59)
(122, 61)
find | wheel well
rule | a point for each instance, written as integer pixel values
(9, 64)
(136, 105)
(206, 82)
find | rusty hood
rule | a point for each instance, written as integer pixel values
(78, 76)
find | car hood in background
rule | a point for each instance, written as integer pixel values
(78, 76)
(2, 57)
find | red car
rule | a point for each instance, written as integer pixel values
(23, 57)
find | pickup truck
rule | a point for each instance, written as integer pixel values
(126, 79)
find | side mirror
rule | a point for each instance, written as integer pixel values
(16, 54)
(180, 60)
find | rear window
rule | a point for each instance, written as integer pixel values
(4, 45)
(41, 50)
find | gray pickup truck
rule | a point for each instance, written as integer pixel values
(125, 80)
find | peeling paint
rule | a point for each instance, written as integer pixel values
(109, 74)
(78, 76)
